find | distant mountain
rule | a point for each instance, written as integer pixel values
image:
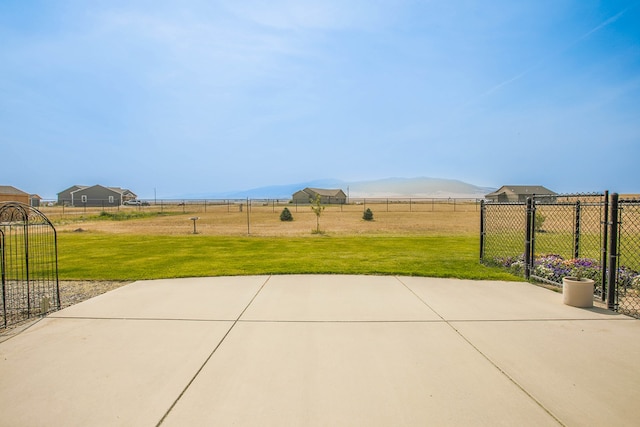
(417, 187)
(278, 191)
(389, 187)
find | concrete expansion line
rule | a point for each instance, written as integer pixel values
(235, 322)
(487, 358)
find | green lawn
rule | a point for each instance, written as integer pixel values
(86, 256)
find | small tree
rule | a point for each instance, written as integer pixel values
(317, 208)
(367, 215)
(286, 215)
(539, 220)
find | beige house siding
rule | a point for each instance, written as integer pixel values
(12, 194)
(327, 196)
(518, 193)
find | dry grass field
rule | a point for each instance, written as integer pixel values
(264, 219)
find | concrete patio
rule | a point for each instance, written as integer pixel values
(323, 351)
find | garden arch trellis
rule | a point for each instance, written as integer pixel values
(28, 264)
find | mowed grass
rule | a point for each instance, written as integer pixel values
(438, 242)
(104, 256)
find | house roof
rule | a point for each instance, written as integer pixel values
(538, 190)
(112, 189)
(119, 190)
(8, 189)
(326, 192)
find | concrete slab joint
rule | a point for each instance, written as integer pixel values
(323, 350)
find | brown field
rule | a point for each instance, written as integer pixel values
(263, 219)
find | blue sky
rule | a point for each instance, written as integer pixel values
(209, 96)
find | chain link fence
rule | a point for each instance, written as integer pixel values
(502, 235)
(569, 234)
(549, 238)
(628, 272)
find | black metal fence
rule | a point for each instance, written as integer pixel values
(548, 238)
(627, 252)
(28, 264)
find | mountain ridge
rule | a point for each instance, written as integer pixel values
(417, 187)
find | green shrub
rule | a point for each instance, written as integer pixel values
(539, 220)
(368, 215)
(286, 215)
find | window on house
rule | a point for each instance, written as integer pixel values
(110, 199)
(84, 198)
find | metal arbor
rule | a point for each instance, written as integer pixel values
(28, 264)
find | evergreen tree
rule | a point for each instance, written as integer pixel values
(368, 215)
(286, 215)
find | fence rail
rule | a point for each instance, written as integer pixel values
(547, 239)
(388, 204)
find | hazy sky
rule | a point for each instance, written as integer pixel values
(204, 96)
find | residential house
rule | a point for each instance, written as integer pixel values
(96, 195)
(326, 196)
(12, 194)
(34, 200)
(519, 193)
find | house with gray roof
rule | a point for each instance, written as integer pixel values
(95, 196)
(9, 193)
(519, 193)
(327, 196)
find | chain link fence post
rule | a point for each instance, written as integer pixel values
(528, 242)
(482, 230)
(576, 233)
(605, 242)
(613, 253)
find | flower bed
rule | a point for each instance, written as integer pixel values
(553, 267)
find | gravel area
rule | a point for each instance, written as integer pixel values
(71, 292)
